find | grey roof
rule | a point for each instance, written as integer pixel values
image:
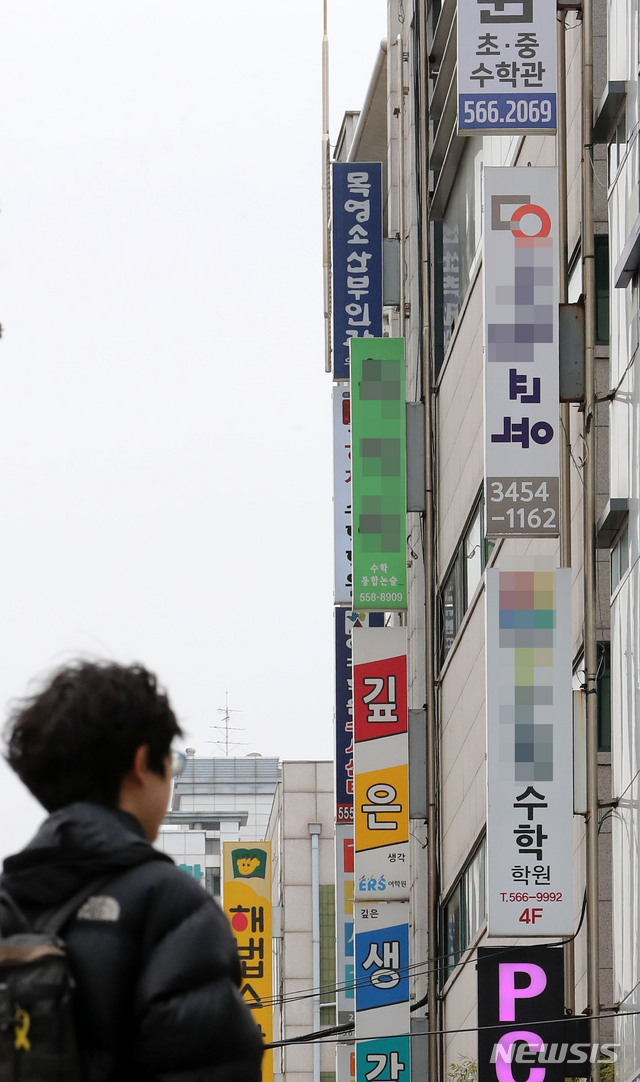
(251, 774)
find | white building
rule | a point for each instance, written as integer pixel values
(303, 866)
(620, 119)
(213, 801)
(434, 178)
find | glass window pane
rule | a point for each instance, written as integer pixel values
(474, 891)
(453, 932)
(473, 556)
(451, 607)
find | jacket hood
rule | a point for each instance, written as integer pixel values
(74, 845)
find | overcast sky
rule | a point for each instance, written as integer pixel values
(165, 422)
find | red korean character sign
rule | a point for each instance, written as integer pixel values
(381, 798)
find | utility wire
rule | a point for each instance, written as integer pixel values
(322, 1035)
(417, 968)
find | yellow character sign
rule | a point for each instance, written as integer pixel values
(247, 904)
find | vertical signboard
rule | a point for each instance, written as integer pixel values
(529, 753)
(381, 810)
(522, 1028)
(345, 622)
(381, 803)
(521, 352)
(378, 452)
(382, 991)
(247, 904)
(342, 494)
(357, 257)
(507, 66)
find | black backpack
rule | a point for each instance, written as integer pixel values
(37, 1034)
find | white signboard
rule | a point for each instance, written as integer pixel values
(521, 352)
(529, 753)
(381, 762)
(342, 494)
(506, 66)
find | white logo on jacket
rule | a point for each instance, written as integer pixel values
(100, 907)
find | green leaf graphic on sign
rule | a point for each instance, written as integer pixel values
(249, 863)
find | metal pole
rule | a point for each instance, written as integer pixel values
(401, 226)
(589, 518)
(429, 564)
(315, 830)
(326, 208)
(565, 414)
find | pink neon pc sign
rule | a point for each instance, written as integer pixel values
(523, 1035)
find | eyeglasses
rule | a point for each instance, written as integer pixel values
(178, 759)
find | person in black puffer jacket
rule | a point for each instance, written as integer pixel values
(156, 966)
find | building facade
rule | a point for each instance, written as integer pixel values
(433, 216)
(619, 130)
(300, 830)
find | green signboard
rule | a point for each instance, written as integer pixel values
(378, 459)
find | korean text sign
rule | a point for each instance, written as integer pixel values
(521, 369)
(247, 904)
(382, 991)
(381, 804)
(342, 494)
(345, 623)
(506, 66)
(529, 753)
(357, 257)
(378, 485)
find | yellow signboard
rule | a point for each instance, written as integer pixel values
(247, 903)
(381, 807)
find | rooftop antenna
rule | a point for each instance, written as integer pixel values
(225, 744)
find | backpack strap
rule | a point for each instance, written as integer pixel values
(52, 921)
(14, 910)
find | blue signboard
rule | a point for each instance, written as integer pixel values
(382, 966)
(357, 257)
(522, 112)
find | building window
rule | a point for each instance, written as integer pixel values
(463, 578)
(212, 881)
(619, 558)
(212, 846)
(602, 289)
(455, 240)
(618, 146)
(327, 955)
(603, 684)
(464, 911)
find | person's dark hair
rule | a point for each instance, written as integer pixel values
(76, 738)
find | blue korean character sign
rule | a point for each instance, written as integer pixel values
(357, 257)
(521, 369)
(506, 66)
(382, 991)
